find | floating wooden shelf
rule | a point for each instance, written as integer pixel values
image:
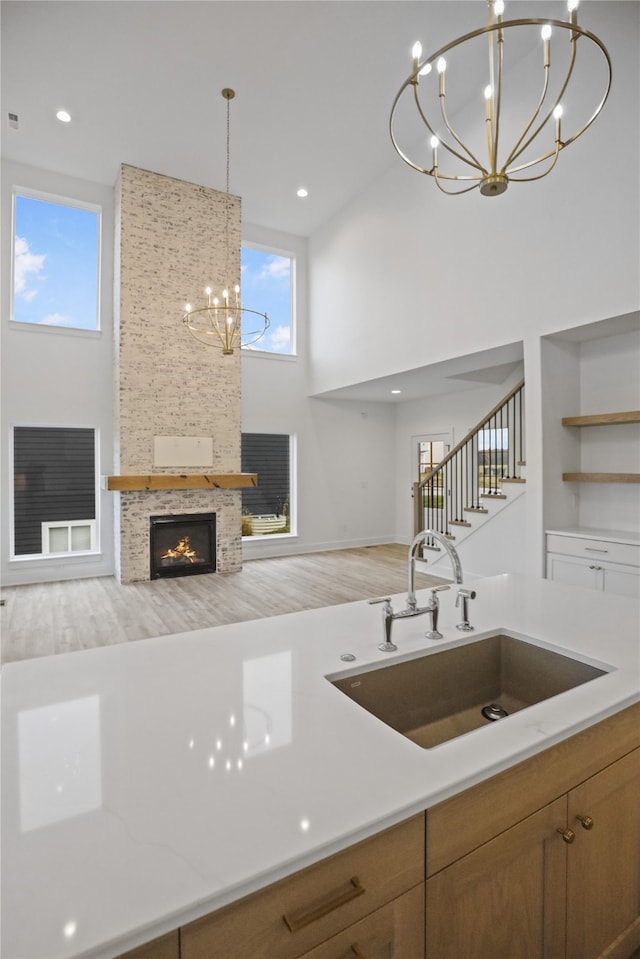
(601, 477)
(602, 419)
(164, 481)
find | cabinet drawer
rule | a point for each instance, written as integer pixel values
(397, 930)
(293, 916)
(594, 549)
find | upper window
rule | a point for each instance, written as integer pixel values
(56, 249)
(267, 286)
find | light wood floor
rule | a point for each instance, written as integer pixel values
(49, 618)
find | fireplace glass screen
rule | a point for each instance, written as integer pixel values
(183, 545)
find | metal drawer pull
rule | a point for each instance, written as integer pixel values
(595, 567)
(302, 918)
(567, 834)
(592, 549)
(586, 821)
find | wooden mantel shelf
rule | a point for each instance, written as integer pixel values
(164, 481)
(602, 419)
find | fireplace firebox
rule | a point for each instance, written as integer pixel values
(182, 545)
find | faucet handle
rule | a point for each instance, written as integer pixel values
(379, 599)
(441, 588)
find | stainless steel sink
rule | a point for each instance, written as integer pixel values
(441, 695)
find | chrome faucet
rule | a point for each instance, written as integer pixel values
(412, 608)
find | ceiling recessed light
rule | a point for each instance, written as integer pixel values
(63, 116)
(302, 192)
(396, 391)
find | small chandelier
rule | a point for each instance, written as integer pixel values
(523, 160)
(223, 321)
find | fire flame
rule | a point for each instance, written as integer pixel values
(183, 550)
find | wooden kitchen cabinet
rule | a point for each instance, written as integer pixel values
(603, 863)
(506, 898)
(562, 883)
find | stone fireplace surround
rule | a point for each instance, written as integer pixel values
(169, 246)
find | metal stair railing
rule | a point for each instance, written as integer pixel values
(491, 452)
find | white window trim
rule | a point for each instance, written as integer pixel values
(68, 525)
(61, 201)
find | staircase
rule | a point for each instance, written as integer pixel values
(478, 480)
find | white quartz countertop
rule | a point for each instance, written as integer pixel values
(146, 784)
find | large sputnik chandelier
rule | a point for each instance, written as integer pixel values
(223, 321)
(520, 101)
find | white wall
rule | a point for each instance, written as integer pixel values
(345, 475)
(56, 377)
(609, 383)
(405, 276)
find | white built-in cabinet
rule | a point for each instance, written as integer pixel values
(604, 560)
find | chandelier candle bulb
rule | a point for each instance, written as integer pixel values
(546, 37)
(416, 53)
(557, 113)
(572, 6)
(488, 98)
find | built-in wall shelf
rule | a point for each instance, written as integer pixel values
(164, 481)
(601, 477)
(602, 419)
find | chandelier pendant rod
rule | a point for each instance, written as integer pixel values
(498, 96)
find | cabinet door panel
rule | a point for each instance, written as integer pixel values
(574, 572)
(604, 862)
(506, 898)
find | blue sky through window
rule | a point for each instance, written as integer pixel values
(266, 287)
(55, 264)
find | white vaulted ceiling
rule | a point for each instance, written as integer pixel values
(314, 79)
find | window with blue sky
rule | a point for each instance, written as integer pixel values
(267, 285)
(55, 263)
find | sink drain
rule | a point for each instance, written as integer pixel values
(493, 712)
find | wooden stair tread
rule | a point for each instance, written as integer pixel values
(458, 522)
